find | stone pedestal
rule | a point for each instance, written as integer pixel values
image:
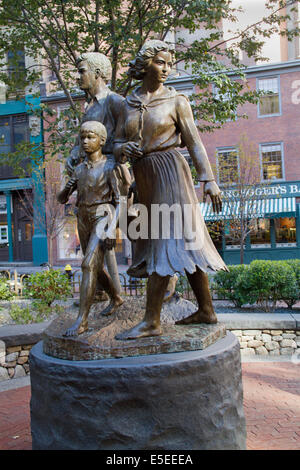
(185, 400)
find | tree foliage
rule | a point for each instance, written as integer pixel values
(54, 32)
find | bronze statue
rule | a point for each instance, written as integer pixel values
(96, 182)
(103, 105)
(154, 120)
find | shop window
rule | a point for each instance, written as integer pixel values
(228, 167)
(119, 242)
(28, 231)
(260, 237)
(285, 231)
(215, 230)
(3, 234)
(68, 241)
(232, 239)
(271, 156)
(269, 104)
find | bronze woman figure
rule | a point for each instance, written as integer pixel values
(154, 121)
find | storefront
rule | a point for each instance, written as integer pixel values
(275, 232)
(68, 245)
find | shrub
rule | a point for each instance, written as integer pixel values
(5, 293)
(21, 316)
(291, 295)
(48, 286)
(271, 281)
(233, 285)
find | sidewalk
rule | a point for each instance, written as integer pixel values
(271, 404)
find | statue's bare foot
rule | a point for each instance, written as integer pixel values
(141, 330)
(198, 317)
(101, 296)
(76, 329)
(112, 306)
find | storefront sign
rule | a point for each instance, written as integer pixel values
(283, 189)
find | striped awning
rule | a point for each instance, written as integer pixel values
(266, 208)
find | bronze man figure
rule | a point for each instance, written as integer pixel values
(103, 105)
(154, 120)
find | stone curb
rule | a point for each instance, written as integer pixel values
(17, 335)
(253, 321)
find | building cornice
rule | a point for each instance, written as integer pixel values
(255, 70)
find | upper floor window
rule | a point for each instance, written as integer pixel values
(269, 104)
(272, 161)
(228, 165)
(16, 62)
(14, 129)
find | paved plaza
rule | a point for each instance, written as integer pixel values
(271, 403)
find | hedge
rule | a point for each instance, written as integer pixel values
(263, 282)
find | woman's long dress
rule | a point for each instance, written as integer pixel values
(163, 176)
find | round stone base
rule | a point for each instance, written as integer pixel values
(187, 400)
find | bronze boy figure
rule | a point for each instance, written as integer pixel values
(96, 183)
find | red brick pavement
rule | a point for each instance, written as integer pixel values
(271, 403)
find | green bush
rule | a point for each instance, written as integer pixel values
(292, 296)
(5, 293)
(263, 281)
(48, 286)
(233, 286)
(270, 281)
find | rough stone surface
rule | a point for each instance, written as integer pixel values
(3, 374)
(288, 343)
(271, 345)
(2, 352)
(19, 371)
(287, 351)
(189, 400)
(99, 342)
(254, 343)
(11, 357)
(261, 351)
(247, 352)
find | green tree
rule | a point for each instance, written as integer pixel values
(54, 32)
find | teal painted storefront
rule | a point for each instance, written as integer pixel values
(279, 193)
(7, 186)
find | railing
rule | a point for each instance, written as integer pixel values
(130, 286)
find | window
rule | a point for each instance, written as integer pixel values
(285, 231)
(188, 158)
(260, 236)
(228, 167)
(67, 120)
(14, 129)
(68, 241)
(3, 234)
(269, 104)
(271, 157)
(16, 63)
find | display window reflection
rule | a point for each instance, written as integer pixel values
(68, 241)
(260, 235)
(285, 231)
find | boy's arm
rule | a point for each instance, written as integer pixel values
(66, 192)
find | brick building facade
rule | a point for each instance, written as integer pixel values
(272, 129)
